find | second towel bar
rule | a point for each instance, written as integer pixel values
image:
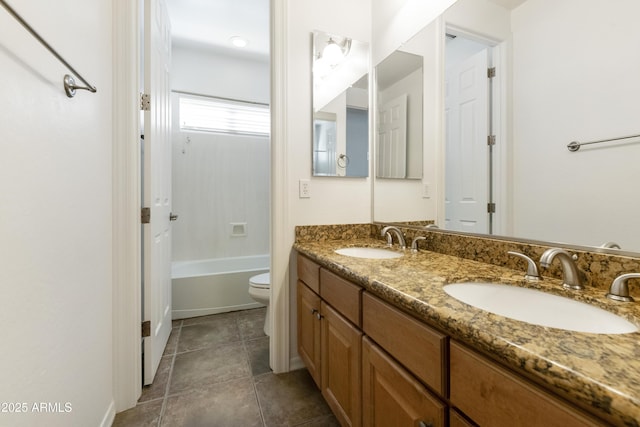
(575, 145)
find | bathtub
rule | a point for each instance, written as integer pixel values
(210, 286)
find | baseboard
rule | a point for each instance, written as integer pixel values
(109, 416)
(296, 363)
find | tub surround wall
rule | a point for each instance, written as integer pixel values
(219, 179)
(589, 370)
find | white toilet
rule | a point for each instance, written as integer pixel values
(260, 291)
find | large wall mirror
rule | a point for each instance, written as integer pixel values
(566, 70)
(340, 106)
(399, 96)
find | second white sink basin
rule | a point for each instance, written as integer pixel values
(539, 308)
(372, 253)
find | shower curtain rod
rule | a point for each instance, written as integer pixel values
(69, 82)
(217, 97)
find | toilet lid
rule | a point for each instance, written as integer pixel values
(260, 280)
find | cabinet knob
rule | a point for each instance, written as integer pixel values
(314, 311)
(423, 424)
(319, 316)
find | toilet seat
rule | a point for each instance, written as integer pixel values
(260, 281)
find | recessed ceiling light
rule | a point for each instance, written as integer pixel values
(238, 41)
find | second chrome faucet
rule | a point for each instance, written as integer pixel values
(570, 275)
(388, 230)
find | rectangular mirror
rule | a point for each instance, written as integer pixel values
(399, 98)
(340, 106)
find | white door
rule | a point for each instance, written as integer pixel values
(157, 185)
(467, 152)
(392, 138)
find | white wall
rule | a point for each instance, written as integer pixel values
(333, 200)
(396, 21)
(55, 215)
(219, 179)
(216, 73)
(575, 71)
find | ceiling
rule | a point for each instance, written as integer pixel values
(211, 23)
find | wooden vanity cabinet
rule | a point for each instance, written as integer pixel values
(341, 366)
(378, 366)
(458, 420)
(329, 339)
(309, 330)
(391, 396)
(491, 395)
(418, 347)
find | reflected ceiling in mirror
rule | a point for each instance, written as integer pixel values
(340, 106)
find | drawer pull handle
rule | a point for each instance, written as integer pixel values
(319, 316)
(423, 424)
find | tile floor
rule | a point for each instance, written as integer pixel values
(215, 372)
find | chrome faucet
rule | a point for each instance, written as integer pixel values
(570, 276)
(414, 243)
(532, 273)
(619, 289)
(610, 245)
(386, 231)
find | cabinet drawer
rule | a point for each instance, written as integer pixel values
(309, 273)
(491, 395)
(391, 396)
(418, 347)
(344, 296)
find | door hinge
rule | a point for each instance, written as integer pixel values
(145, 215)
(146, 329)
(491, 72)
(145, 102)
(491, 207)
(491, 140)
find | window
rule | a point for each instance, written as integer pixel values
(223, 116)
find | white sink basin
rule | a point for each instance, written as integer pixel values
(539, 308)
(372, 253)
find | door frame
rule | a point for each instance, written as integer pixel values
(126, 245)
(500, 187)
(126, 250)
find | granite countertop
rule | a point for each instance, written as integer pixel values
(597, 371)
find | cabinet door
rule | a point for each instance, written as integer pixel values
(341, 366)
(391, 396)
(309, 330)
(457, 420)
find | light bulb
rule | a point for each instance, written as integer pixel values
(332, 53)
(238, 41)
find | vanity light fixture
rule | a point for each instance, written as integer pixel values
(332, 53)
(238, 41)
